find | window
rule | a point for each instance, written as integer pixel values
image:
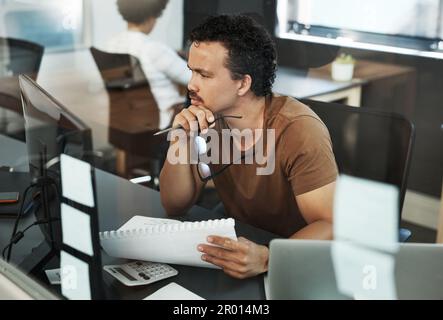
(55, 24)
(391, 26)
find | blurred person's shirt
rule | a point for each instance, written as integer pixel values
(162, 66)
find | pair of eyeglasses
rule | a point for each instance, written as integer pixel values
(204, 169)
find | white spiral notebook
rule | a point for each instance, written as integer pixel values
(164, 240)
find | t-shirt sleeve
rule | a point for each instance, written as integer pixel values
(308, 159)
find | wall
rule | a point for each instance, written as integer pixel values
(107, 21)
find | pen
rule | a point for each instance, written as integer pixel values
(180, 127)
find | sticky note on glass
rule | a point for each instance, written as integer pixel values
(74, 277)
(363, 273)
(366, 212)
(76, 229)
(76, 180)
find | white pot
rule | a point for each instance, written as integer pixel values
(342, 71)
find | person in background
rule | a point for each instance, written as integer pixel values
(163, 67)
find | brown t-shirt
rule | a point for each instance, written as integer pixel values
(304, 161)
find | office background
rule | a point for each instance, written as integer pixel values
(411, 87)
(399, 65)
(406, 80)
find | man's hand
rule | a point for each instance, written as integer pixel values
(194, 118)
(240, 259)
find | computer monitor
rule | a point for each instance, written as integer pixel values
(305, 270)
(51, 130)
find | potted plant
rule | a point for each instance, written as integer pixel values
(343, 68)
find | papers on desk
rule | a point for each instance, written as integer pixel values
(142, 222)
(366, 236)
(165, 240)
(173, 291)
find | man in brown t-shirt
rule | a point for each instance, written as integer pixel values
(233, 61)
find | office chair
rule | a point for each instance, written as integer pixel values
(119, 71)
(370, 144)
(134, 115)
(20, 56)
(16, 57)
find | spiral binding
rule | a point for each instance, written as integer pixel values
(167, 228)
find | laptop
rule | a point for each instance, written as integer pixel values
(303, 269)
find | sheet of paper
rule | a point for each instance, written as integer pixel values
(363, 273)
(366, 212)
(76, 229)
(166, 243)
(74, 277)
(137, 222)
(173, 291)
(76, 180)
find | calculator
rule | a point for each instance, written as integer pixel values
(139, 273)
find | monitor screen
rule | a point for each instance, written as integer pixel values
(50, 131)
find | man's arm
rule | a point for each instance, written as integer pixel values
(180, 185)
(244, 258)
(316, 208)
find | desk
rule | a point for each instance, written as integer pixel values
(292, 82)
(119, 200)
(385, 86)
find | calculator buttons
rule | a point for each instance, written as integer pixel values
(140, 272)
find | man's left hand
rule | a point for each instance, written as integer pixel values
(239, 259)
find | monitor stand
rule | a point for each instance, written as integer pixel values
(37, 259)
(45, 251)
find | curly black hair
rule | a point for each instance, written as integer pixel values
(138, 11)
(251, 49)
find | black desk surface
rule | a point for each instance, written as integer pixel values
(118, 201)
